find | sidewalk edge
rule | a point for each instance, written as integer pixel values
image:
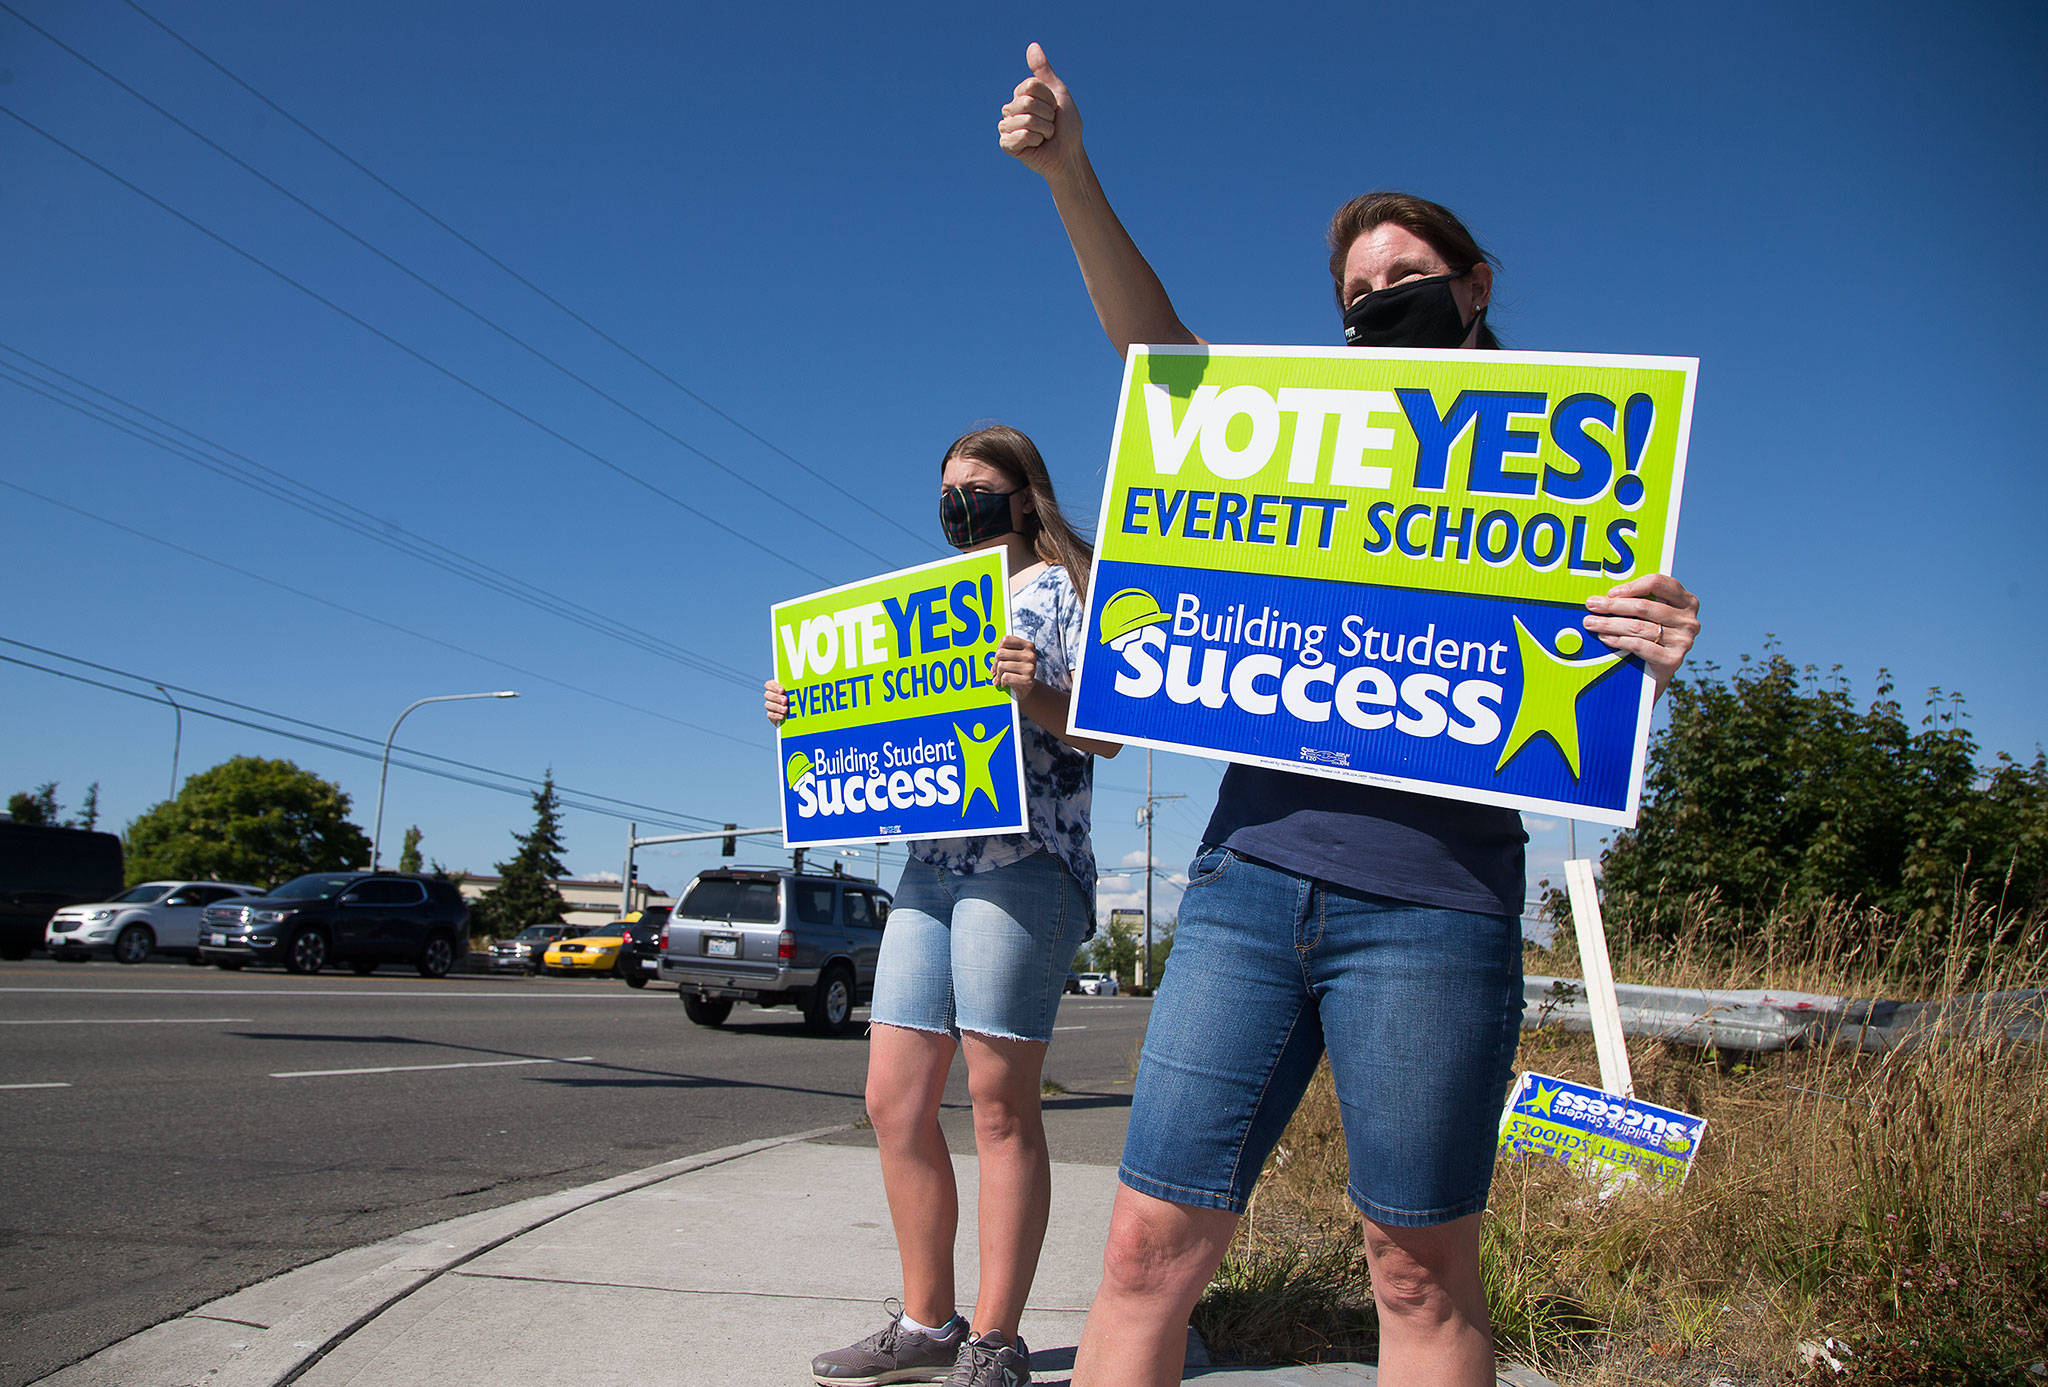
(278, 1354)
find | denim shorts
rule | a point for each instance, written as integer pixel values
(1418, 1007)
(986, 952)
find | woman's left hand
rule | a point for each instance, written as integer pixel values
(1653, 617)
(1016, 666)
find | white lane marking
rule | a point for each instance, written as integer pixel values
(419, 1068)
(35, 1086)
(1070, 1028)
(523, 994)
(134, 1021)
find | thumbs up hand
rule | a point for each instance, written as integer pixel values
(1040, 124)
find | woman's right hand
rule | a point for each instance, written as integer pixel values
(775, 702)
(1040, 124)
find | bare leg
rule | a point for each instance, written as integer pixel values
(1433, 1326)
(1016, 1173)
(906, 1078)
(1159, 1258)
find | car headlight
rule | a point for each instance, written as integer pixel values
(271, 917)
(98, 915)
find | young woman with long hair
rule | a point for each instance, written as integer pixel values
(980, 937)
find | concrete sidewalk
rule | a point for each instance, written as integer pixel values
(725, 1269)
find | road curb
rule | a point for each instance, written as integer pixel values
(272, 1333)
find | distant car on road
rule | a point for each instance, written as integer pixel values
(1098, 984)
(44, 869)
(156, 915)
(769, 935)
(522, 953)
(586, 951)
(640, 960)
(358, 918)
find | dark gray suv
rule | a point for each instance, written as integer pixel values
(358, 918)
(768, 935)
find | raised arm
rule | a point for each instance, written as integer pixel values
(1042, 128)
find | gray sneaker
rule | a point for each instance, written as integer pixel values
(892, 1354)
(989, 1360)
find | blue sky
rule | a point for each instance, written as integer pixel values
(798, 218)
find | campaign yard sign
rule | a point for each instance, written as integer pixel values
(895, 727)
(1371, 565)
(1596, 1132)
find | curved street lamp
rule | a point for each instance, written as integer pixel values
(177, 738)
(377, 835)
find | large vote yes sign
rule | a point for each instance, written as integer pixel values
(896, 728)
(1372, 565)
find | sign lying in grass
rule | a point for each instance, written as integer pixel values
(1599, 1134)
(895, 728)
(1372, 565)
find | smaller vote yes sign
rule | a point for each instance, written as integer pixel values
(1372, 565)
(896, 728)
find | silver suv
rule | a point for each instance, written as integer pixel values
(157, 915)
(769, 935)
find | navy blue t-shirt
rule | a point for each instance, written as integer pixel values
(1412, 847)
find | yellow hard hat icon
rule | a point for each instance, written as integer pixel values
(796, 768)
(1128, 610)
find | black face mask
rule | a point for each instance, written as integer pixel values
(973, 517)
(1420, 313)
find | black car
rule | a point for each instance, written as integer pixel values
(358, 918)
(42, 870)
(641, 958)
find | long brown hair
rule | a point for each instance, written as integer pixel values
(1052, 538)
(1432, 221)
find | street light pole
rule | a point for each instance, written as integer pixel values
(177, 738)
(384, 772)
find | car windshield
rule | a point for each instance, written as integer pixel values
(318, 886)
(725, 899)
(539, 932)
(143, 894)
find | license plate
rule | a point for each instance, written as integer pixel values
(722, 948)
(652, 965)
(218, 939)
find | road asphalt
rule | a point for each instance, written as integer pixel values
(728, 1268)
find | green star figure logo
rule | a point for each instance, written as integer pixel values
(1542, 1101)
(1551, 688)
(977, 750)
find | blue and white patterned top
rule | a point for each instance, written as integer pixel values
(1059, 780)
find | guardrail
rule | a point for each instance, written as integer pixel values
(1764, 1019)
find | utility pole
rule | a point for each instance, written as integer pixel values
(1145, 818)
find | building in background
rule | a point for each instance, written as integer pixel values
(589, 902)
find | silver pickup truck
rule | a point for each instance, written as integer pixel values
(768, 935)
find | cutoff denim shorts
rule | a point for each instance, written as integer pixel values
(1418, 1007)
(986, 952)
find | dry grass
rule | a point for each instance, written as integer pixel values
(1898, 1203)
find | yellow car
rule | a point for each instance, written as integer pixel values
(585, 954)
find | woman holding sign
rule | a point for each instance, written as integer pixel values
(1325, 916)
(981, 934)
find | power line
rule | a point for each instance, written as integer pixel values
(564, 308)
(412, 352)
(365, 616)
(291, 492)
(668, 817)
(430, 286)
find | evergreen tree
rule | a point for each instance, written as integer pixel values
(409, 855)
(38, 806)
(89, 812)
(525, 894)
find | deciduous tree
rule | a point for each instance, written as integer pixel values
(247, 819)
(1771, 787)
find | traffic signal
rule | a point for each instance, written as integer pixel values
(730, 844)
